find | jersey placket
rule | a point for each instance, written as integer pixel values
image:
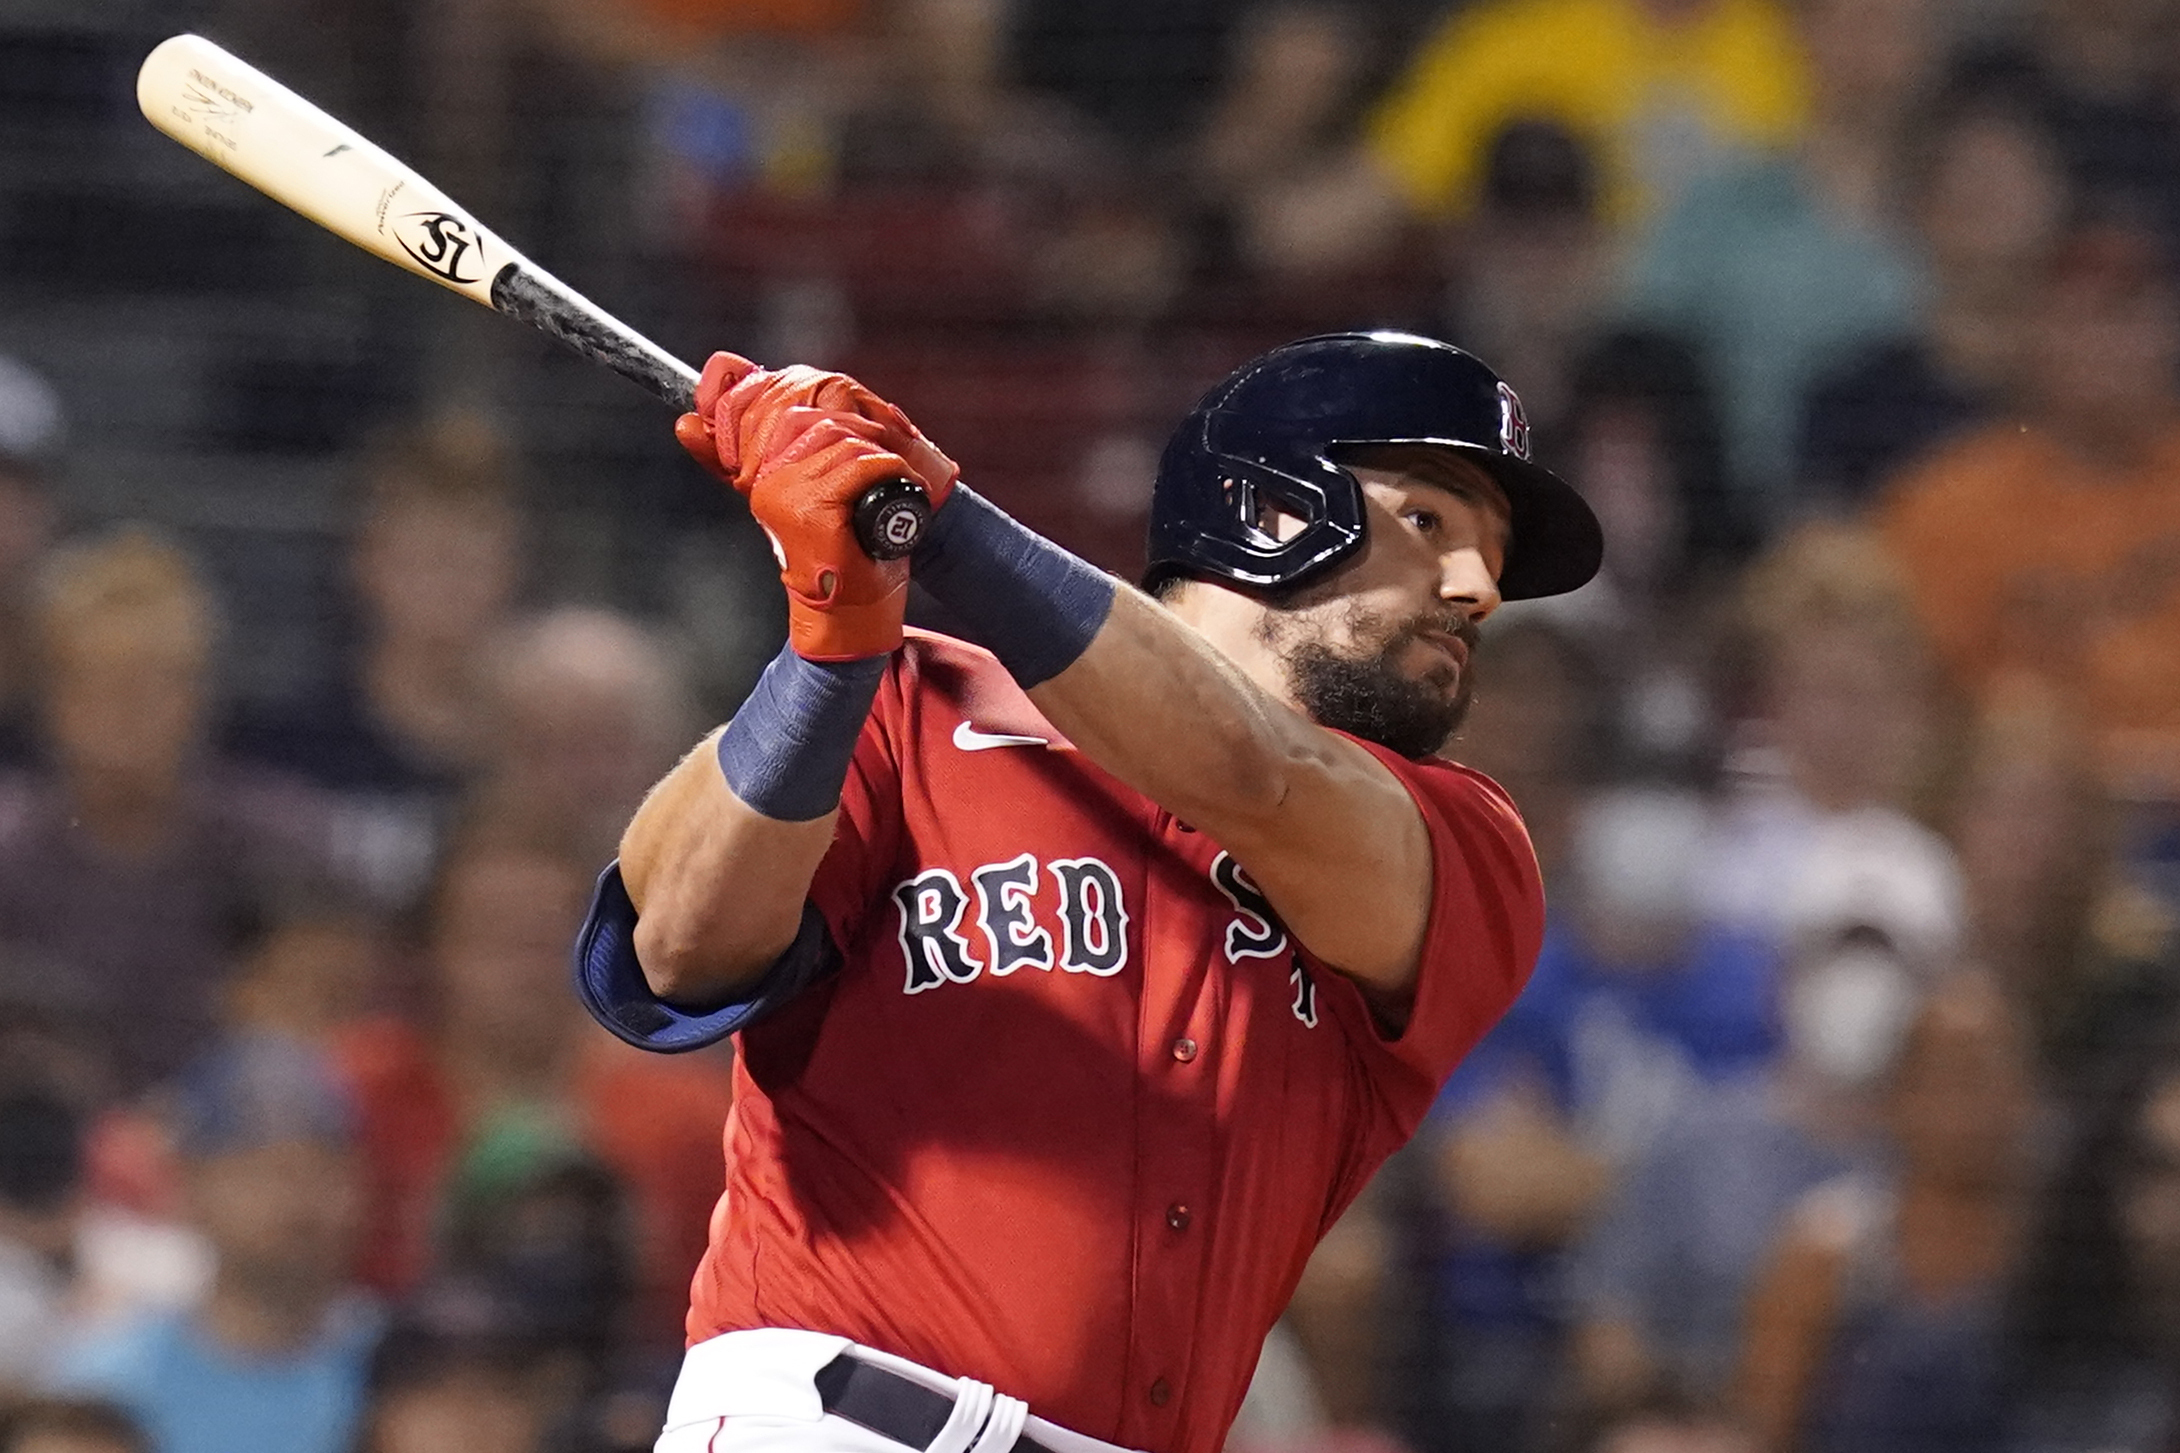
(1177, 1059)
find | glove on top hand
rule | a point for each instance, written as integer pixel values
(804, 445)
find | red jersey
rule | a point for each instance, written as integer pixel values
(1075, 1110)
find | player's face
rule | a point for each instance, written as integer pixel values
(1382, 649)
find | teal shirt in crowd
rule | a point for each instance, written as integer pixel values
(194, 1396)
(1776, 293)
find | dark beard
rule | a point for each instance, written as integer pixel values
(1371, 699)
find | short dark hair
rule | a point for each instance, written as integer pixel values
(456, 1324)
(41, 1149)
(73, 1418)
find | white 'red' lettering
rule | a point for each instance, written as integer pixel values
(931, 905)
(1092, 917)
(1003, 895)
(1255, 932)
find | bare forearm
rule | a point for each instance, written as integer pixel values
(1155, 704)
(718, 887)
(1327, 833)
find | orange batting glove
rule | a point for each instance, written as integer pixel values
(841, 604)
(742, 419)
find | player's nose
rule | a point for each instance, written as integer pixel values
(1465, 579)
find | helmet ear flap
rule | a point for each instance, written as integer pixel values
(1241, 540)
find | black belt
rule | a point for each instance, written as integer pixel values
(890, 1405)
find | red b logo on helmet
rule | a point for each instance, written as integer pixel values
(1513, 425)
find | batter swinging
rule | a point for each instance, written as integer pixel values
(1084, 974)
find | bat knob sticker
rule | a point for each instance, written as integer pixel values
(890, 519)
(442, 244)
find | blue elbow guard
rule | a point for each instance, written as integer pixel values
(610, 981)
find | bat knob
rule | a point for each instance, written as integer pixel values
(890, 518)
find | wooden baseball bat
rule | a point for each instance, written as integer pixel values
(235, 115)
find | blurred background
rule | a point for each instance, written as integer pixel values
(341, 625)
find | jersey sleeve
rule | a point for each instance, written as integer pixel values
(610, 982)
(1485, 929)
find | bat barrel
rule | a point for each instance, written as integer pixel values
(238, 117)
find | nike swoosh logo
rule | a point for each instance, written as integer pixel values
(969, 739)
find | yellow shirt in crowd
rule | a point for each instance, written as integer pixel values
(2025, 557)
(1657, 100)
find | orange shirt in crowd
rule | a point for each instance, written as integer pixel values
(656, 1122)
(2026, 557)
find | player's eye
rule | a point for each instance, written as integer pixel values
(1428, 521)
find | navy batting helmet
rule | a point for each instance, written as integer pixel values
(1266, 436)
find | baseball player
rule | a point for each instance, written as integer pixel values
(1081, 975)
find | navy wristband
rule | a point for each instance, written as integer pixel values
(1023, 598)
(787, 750)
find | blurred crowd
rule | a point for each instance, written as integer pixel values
(1842, 1114)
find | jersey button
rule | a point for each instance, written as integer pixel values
(1161, 1393)
(1177, 1216)
(1184, 1050)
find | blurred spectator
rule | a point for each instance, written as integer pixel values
(511, 1072)
(2110, 62)
(2098, 1361)
(554, 1234)
(1777, 267)
(550, 1228)
(41, 1173)
(1634, 1005)
(1668, 1423)
(1282, 1411)
(1878, 1323)
(87, 1235)
(587, 710)
(1987, 193)
(1159, 119)
(1636, 998)
(1641, 434)
(275, 1356)
(1660, 1284)
(461, 1371)
(2035, 836)
(57, 1425)
(1293, 74)
(1641, 441)
(2046, 545)
(31, 433)
(314, 965)
(1660, 89)
(1534, 728)
(402, 716)
(124, 871)
(1840, 745)
(1338, 1318)
(1532, 264)
(437, 562)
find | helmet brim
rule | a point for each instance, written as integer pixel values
(1557, 543)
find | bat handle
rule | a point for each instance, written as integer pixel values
(891, 517)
